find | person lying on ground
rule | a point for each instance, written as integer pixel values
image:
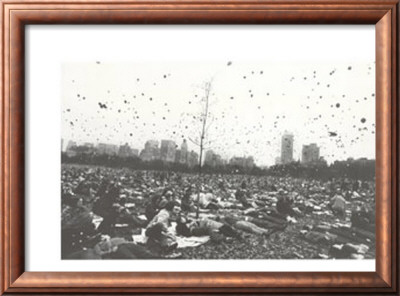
(129, 216)
(243, 223)
(203, 226)
(264, 220)
(114, 248)
(208, 201)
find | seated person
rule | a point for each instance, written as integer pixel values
(77, 228)
(108, 207)
(157, 202)
(240, 195)
(157, 229)
(338, 205)
(284, 205)
(363, 218)
(187, 201)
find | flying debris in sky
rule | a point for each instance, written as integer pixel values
(250, 104)
(102, 106)
(332, 134)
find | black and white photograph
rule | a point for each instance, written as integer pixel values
(228, 159)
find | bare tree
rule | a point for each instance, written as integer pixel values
(205, 124)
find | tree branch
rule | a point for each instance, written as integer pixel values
(193, 141)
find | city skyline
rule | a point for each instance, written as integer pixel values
(251, 104)
(152, 150)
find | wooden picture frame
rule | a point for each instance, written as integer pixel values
(15, 14)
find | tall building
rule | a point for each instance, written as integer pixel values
(126, 151)
(70, 145)
(150, 151)
(193, 159)
(244, 162)
(87, 148)
(168, 151)
(88, 145)
(310, 153)
(135, 152)
(74, 150)
(71, 149)
(108, 149)
(287, 148)
(209, 158)
(183, 155)
(212, 159)
(177, 155)
(249, 162)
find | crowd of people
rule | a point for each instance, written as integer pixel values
(110, 213)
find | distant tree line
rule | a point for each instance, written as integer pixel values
(133, 162)
(363, 169)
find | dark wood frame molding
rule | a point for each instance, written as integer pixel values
(15, 14)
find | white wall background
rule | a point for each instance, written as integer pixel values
(48, 47)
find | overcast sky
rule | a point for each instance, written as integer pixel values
(252, 105)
